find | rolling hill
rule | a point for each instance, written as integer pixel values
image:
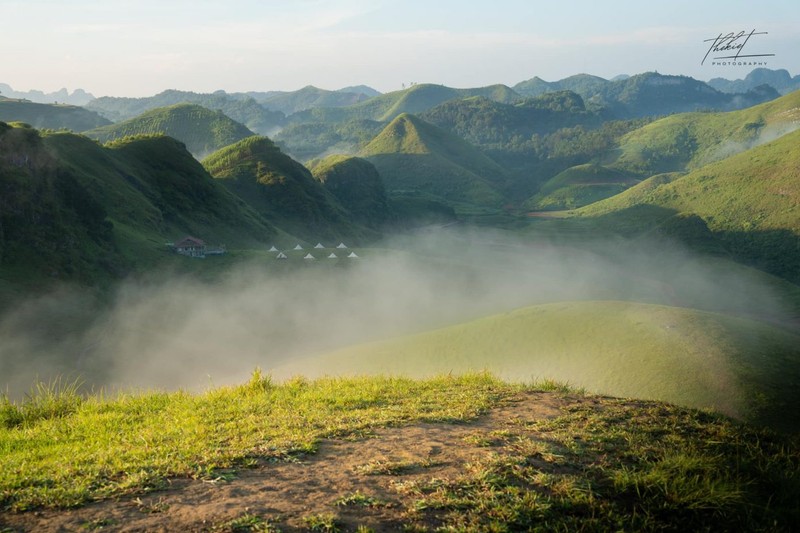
(50, 116)
(579, 186)
(415, 99)
(740, 367)
(355, 182)
(648, 94)
(779, 79)
(691, 140)
(202, 131)
(75, 210)
(748, 200)
(281, 190)
(240, 108)
(412, 155)
(308, 97)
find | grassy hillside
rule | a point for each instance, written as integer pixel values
(75, 210)
(743, 368)
(749, 200)
(281, 190)
(689, 141)
(201, 130)
(412, 155)
(308, 141)
(50, 116)
(468, 453)
(415, 99)
(578, 186)
(357, 185)
(240, 108)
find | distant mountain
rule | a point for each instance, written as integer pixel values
(355, 182)
(281, 190)
(50, 116)
(690, 140)
(780, 80)
(73, 209)
(583, 84)
(414, 156)
(77, 97)
(308, 97)
(649, 94)
(240, 108)
(578, 186)
(201, 130)
(312, 140)
(487, 122)
(415, 99)
(360, 89)
(748, 201)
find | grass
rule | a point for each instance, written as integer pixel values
(744, 368)
(106, 447)
(611, 466)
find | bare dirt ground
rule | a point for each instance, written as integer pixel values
(285, 494)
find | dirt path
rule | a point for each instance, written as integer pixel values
(286, 494)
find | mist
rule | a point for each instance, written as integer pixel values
(175, 331)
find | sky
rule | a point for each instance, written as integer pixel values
(141, 47)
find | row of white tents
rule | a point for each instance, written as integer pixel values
(319, 246)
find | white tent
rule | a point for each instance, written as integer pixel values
(298, 247)
(353, 254)
(309, 256)
(273, 249)
(332, 256)
(341, 245)
(319, 245)
(281, 255)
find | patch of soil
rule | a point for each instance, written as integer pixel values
(284, 494)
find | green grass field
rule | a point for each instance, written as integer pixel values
(740, 367)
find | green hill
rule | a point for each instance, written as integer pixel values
(201, 130)
(308, 97)
(355, 182)
(312, 140)
(75, 210)
(740, 367)
(415, 99)
(281, 190)
(748, 200)
(648, 94)
(412, 155)
(578, 186)
(690, 140)
(50, 116)
(241, 108)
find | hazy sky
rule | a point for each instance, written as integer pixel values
(141, 47)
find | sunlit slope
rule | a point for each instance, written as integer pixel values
(202, 131)
(412, 155)
(578, 186)
(740, 367)
(750, 201)
(691, 140)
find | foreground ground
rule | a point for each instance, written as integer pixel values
(486, 456)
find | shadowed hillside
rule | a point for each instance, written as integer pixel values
(50, 116)
(281, 190)
(201, 130)
(412, 155)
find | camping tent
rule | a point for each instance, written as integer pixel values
(309, 256)
(273, 249)
(353, 255)
(298, 247)
(319, 245)
(341, 245)
(281, 255)
(332, 256)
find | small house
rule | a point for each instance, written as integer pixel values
(191, 247)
